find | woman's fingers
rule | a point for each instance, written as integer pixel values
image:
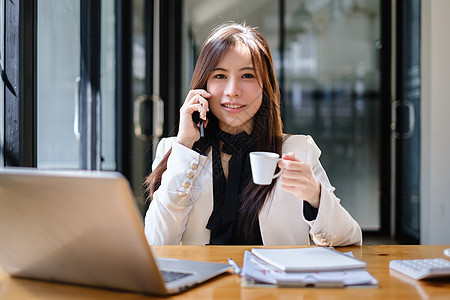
(205, 123)
(290, 163)
(191, 108)
(201, 92)
(298, 178)
(197, 102)
(290, 174)
(293, 181)
(197, 95)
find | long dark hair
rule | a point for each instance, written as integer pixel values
(267, 125)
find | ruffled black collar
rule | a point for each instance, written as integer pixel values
(227, 193)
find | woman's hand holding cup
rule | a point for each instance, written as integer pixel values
(298, 179)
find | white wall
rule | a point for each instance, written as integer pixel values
(435, 127)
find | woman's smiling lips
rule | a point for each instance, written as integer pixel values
(233, 107)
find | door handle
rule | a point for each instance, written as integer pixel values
(76, 117)
(402, 130)
(143, 107)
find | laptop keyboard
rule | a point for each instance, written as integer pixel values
(170, 276)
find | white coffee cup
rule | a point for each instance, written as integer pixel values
(263, 166)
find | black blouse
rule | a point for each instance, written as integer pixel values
(227, 194)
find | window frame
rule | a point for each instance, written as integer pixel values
(19, 83)
(89, 88)
(18, 131)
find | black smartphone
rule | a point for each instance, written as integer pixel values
(196, 119)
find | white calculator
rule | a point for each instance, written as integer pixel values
(422, 268)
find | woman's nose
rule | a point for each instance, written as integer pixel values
(232, 88)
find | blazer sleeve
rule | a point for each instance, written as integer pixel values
(171, 203)
(333, 226)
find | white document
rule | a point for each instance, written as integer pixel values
(257, 272)
(308, 259)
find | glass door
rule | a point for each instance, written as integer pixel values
(405, 122)
(75, 85)
(94, 68)
(58, 79)
(327, 59)
(146, 114)
(331, 92)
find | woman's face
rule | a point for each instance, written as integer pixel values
(236, 94)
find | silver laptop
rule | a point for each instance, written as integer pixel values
(85, 228)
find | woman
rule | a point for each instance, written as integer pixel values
(201, 189)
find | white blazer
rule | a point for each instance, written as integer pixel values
(182, 205)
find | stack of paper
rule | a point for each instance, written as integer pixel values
(304, 267)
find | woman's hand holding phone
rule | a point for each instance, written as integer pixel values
(195, 102)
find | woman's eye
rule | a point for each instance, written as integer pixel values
(248, 75)
(219, 76)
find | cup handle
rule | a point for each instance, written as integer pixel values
(279, 173)
(276, 175)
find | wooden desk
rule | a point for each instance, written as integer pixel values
(227, 286)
